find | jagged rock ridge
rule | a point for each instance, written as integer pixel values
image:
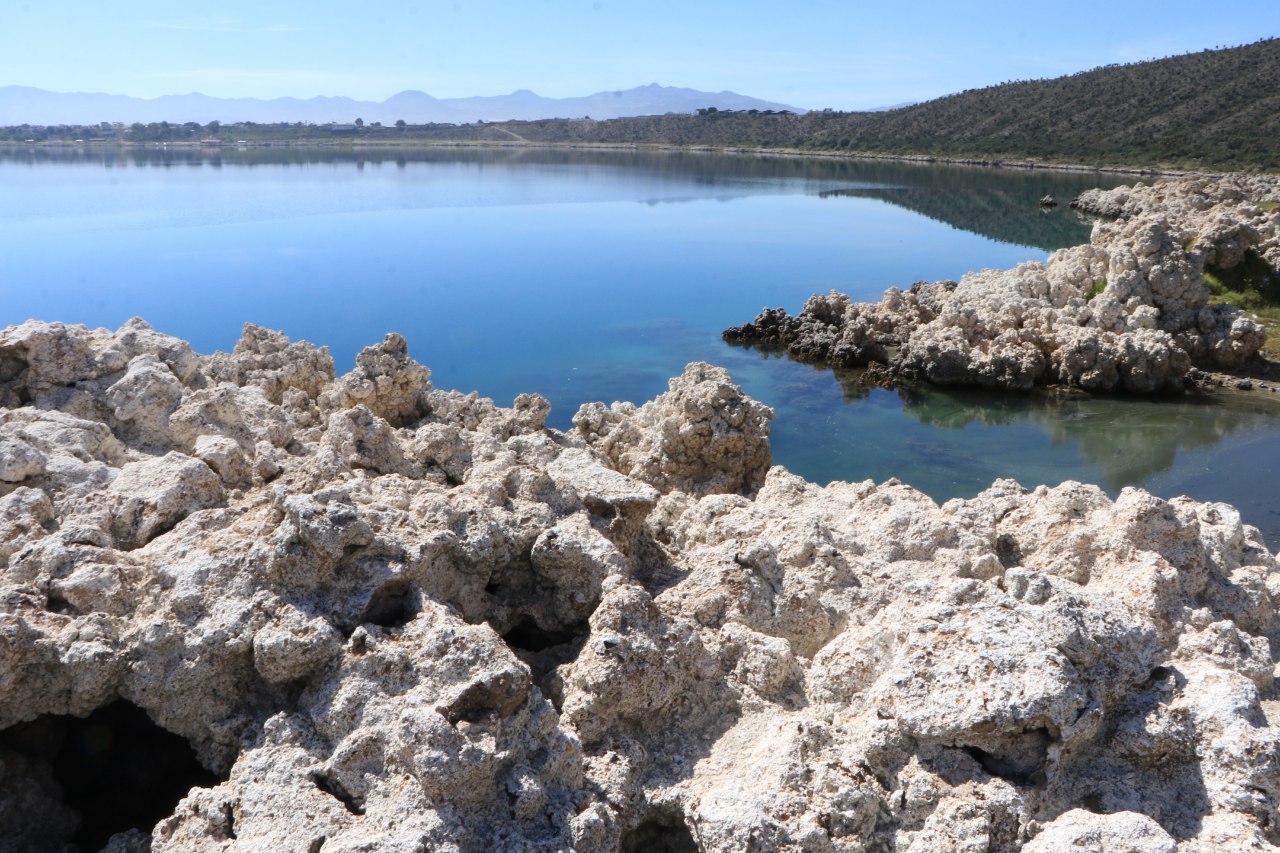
(391, 617)
(1129, 311)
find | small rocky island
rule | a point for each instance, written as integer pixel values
(248, 605)
(1129, 311)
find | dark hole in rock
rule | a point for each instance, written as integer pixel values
(600, 509)
(1022, 765)
(117, 769)
(493, 587)
(660, 835)
(159, 530)
(229, 814)
(58, 604)
(1008, 552)
(529, 636)
(1093, 802)
(392, 606)
(544, 649)
(317, 845)
(335, 789)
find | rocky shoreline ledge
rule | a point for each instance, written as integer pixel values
(382, 616)
(1129, 311)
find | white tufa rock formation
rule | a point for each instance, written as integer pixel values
(391, 618)
(1127, 311)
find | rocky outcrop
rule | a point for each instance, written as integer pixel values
(701, 437)
(1127, 312)
(1228, 221)
(389, 617)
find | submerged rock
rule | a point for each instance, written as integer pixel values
(395, 618)
(1127, 312)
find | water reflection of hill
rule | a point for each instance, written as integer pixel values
(1128, 440)
(1002, 204)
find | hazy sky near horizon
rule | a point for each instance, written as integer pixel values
(807, 53)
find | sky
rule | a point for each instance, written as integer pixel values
(813, 54)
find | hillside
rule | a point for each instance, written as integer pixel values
(1216, 108)
(1221, 106)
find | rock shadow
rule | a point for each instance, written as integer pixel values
(110, 772)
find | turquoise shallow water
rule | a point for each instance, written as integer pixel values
(596, 276)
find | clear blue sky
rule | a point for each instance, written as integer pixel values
(809, 53)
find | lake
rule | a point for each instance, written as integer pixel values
(597, 275)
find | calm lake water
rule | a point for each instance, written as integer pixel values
(597, 276)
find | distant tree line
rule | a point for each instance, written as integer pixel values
(1217, 109)
(1213, 109)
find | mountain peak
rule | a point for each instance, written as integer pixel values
(24, 105)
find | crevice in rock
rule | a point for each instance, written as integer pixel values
(59, 604)
(653, 567)
(1165, 678)
(529, 613)
(529, 636)
(116, 768)
(1008, 552)
(1022, 763)
(128, 540)
(601, 510)
(228, 813)
(660, 833)
(543, 650)
(492, 697)
(317, 845)
(393, 605)
(335, 789)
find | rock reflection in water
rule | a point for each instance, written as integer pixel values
(1129, 440)
(952, 443)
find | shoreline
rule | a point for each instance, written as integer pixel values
(328, 588)
(1026, 164)
(1130, 311)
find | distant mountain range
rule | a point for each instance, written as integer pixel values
(25, 105)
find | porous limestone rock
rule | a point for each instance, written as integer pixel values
(397, 618)
(1129, 311)
(704, 436)
(1122, 832)
(392, 385)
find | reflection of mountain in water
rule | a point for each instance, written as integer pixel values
(1002, 204)
(1129, 440)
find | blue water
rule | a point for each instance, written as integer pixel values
(596, 277)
